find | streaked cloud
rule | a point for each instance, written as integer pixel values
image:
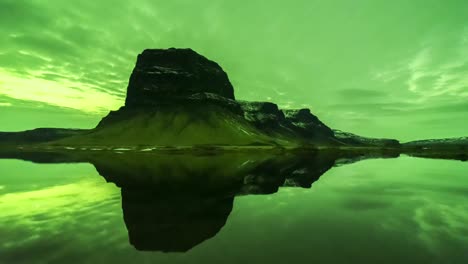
(433, 74)
(63, 93)
(430, 80)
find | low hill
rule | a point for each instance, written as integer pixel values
(38, 135)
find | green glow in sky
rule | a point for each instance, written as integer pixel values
(377, 68)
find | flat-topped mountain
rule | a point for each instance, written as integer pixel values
(164, 75)
(177, 97)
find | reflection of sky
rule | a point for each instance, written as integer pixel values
(385, 211)
(400, 211)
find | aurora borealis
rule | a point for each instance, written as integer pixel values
(394, 69)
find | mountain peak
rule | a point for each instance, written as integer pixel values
(162, 75)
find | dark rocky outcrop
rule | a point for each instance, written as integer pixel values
(215, 99)
(165, 75)
(174, 79)
(263, 115)
(303, 122)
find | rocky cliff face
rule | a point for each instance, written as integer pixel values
(299, 123)
(303, 122)
(164, 75)
(263, 115)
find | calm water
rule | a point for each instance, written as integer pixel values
(234, 209)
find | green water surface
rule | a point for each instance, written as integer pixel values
(404, 210)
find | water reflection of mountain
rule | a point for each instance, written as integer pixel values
(174, 203)
(171, 203)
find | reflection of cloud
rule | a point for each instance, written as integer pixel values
(366, 204)
(63, 204)
(441, 224)
(423, 207)
(54, 225)
(52, 199)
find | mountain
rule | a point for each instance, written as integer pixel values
(446, 143)
(448, 148)
(351, 139)
(177, 97)
(38, 135)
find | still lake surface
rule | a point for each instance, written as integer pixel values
(400, 210)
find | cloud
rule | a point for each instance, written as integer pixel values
(438, 71)
(63, 93)
(428, 80)
(362, 94)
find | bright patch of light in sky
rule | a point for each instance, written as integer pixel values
(62, 94)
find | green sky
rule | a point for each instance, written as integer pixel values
(377, 68)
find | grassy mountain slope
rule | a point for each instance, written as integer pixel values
(175, 126)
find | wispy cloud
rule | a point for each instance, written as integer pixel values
(428, 80)
(432, 73)
(62, 93)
